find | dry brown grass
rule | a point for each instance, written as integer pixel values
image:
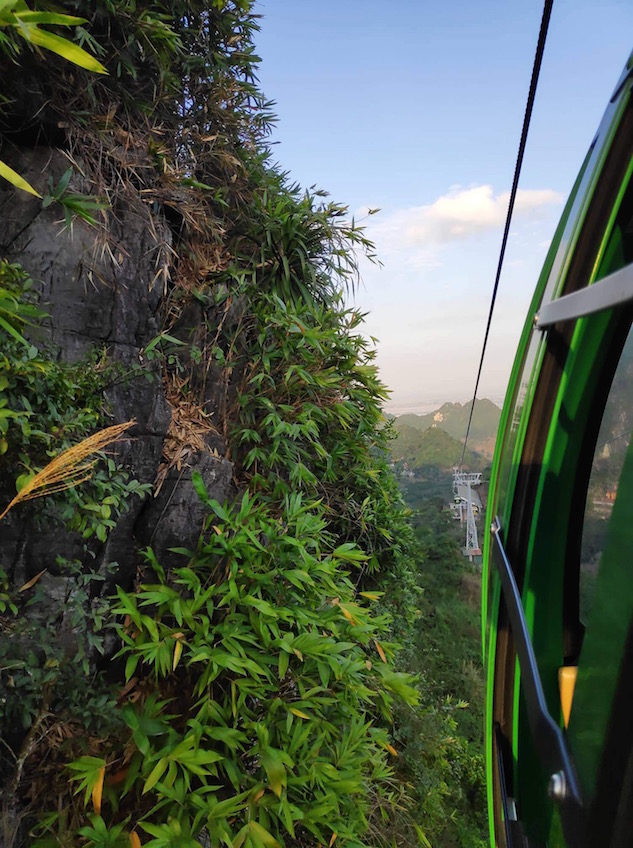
(70, 468)
(187, 433)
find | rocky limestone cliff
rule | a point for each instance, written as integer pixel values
(106, 299)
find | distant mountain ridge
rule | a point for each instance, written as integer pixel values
(452, 419)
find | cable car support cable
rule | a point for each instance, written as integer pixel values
(540, 48)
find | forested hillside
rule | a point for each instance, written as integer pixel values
(452, 418)
(198, 622)
(432, 447)
(443, 754)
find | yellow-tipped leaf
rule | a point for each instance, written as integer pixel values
(97, 791)
(15, 179)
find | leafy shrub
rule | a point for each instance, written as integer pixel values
(270, 675)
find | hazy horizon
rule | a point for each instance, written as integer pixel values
(423, 407)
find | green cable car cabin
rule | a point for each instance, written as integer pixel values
(558, 557)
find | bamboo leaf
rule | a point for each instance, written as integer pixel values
(371, 596)
(262, 835)
(275, 770)
(381, 653)
(15, 179)
(48, 18)
(130, 665)
(156, 774)
(422, 836)
(32, 581)
(347, 614)
(298, 713)
(62, 47)
(62, 185)
(97, 791)
(13, 332)
(349, 552)
(241, 837)
(198, 485)
(283, 664)
(177, 654)
(89, 773)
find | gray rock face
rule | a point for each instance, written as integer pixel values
(96, 289)
(100, 292)
(176, 515)
(104, 291)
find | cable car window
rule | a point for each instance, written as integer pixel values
(613, 440)
(600, 732)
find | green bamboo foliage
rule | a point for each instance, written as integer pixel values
(272, 738)
(266, 653)
(250, 701)
(16, 16)
(19, 20)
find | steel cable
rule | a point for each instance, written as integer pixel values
(536, 69)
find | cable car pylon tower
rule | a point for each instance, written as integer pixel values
(463, 481)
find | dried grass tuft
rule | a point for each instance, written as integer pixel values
(70, 468)
(188, 431)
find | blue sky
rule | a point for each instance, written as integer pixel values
(415, 107)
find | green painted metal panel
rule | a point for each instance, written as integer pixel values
(547, 538)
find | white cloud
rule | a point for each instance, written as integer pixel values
(457, 215)
(429, 302)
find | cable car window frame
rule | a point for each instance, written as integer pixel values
(544, 374)
(614, 290)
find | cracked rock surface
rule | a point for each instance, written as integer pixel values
(100, 294)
